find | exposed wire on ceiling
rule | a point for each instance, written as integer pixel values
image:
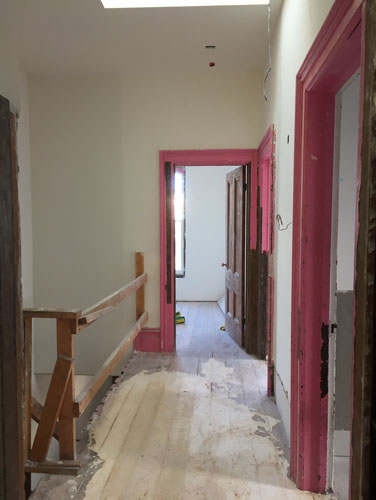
(270, 57)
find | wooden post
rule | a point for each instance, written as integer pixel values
(140, 293)
(28, 347)
(11, 355)
(66, 328)
(27, 387)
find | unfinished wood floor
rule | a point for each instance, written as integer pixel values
(192, 425)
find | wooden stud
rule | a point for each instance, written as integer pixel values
(68, 468)
(54, 400)
(66, 329)
(140, 294)
(36, 415)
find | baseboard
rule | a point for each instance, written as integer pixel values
(148, 340)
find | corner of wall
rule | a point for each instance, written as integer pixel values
(283, 403)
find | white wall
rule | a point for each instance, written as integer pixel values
(14, 86)
(347, 184)
(299, 23)
(95, 175)
(205, 234)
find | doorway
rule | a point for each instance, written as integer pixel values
(342, 284)
(259, 303)
(210, 222)
(169, 161)
(331, 61)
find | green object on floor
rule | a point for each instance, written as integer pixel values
(177, 313)
(223, 328)
(179, 320)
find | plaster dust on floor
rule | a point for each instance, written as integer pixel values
(169, 435)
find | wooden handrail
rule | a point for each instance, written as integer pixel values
(89, 319)
(115, 298)
(40, 312)
(61, 404)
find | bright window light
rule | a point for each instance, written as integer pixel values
(179, 211)
(137, 4)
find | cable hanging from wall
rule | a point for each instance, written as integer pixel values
(280, 223)
(270, 57)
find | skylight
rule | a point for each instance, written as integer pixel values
(137, 4)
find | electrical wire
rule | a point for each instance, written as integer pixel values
(280, 223)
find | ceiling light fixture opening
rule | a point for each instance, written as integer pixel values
(138, 4)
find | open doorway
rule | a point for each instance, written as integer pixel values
(342, 284)
(256, 319)
(210, 250)
(333, 58)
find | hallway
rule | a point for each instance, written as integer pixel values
(195, 424)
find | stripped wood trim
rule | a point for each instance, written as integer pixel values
(92, 387)
(54, 400)
(36, 415)
(28, 400)
(117, 297)
(68, 468)
(11, 341)
(363, 432)
(32, 312)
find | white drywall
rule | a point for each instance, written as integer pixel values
(298, 25)
(347, 184)
(95, 173)
(205, 234)
(14, 86)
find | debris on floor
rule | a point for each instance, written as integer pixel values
(203, 430)
(167, 435)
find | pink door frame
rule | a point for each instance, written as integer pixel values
(233, 157)
(332, 60)
(266, 181)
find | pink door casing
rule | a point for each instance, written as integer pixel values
(333, 58)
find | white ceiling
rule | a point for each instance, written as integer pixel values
(80, 36)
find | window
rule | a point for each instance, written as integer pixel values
(179, 210)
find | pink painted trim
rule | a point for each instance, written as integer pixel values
(333, 58)
(266, 162)
(183, 158)
(148, 340)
